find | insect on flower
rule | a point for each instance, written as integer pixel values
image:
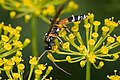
(55, 28)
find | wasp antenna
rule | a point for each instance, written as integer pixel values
(61, 68)
(42, 54)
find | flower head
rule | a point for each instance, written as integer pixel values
(39, 8)
(9, 40)
(90, 46)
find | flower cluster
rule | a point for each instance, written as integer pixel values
(39, 69)
(92, 45)
(114, 77)
(8, 66)
(40, 8)
(9, 40)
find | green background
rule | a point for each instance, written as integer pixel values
(101, 8)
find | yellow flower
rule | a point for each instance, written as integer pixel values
(66, 45)
(82, 63)
(17, 5)
(21, 66)
(101, 63)
(62, 33)
(105, 28)
(27, 17)
(27, 3)
(68, 58)
(82, 47)
(41, 67)
(18, 53)
(16, 75)
(72, 5)
(10, 63)
(7, 68)
(71, 36)
(118, 39)
(104, 50)
(95, 35)
(12, 14)
(33, 61)
(38, 71)
(116, 56)
(7, 46)
(110, 39)
(1, 62)
(87, 25)
(96, 23)
(91, 58)
(51, 9)
(4, 38)
(48, 70)
(17, 59)
(75, 29)
(18, 44)
(114, 77)
(91, 42)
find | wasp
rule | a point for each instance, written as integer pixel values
(55, 28)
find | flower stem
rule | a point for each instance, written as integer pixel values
(34, 36)
(88, 70)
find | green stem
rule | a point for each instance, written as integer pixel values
(88, 70)
(34, 36)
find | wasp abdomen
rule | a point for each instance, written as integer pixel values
(76, 18)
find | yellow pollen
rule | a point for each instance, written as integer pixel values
(104, 50)
(91, 42)
(105, 28)
(95, 35)
(111, 39)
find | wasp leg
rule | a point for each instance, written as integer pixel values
(52, 59)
